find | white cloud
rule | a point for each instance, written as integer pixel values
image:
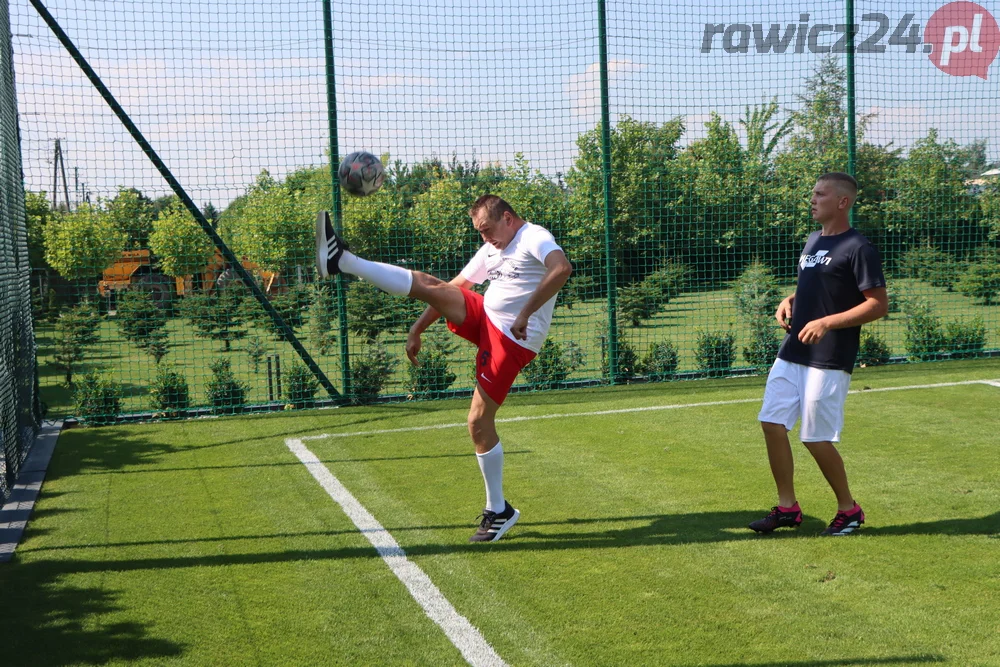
(584, 90)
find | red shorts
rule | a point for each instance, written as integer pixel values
(499, 359)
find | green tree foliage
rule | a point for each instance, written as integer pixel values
(532, 195)
(715, 351)
(273, 225)
(179, 242)
(219, 315)
(966, 339)
(131, 213)
(37, 214)
(642, 192)
(300, 386)
(370, 311)
(929, 264)
(322, 329)
(224, 392)
(371, 368)
(872, 350)
(981, 281)
(763, 343)
(925, 337)
(169, 392)
(432, 376)
(756, 293)
(442, 232)
(142, 322)
(553, 364)
(660, 361)
(75, 329)
(97, 399)
(931, 200)
(83, 243)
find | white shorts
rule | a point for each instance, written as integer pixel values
(816, 395)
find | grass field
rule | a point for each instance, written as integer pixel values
(679, 322)
(207, 542)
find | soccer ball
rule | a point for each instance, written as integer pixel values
(361, 174)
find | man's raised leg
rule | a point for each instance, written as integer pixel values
(333, 256)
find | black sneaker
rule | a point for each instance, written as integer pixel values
(329, 246)
(844, 523)
(777, 519)
(494, 524)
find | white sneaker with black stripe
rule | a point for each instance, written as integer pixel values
(493, 525)
(329, 246)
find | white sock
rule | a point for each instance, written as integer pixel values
(392, 279)
(491, 464)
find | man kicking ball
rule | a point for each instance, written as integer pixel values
(526, 268)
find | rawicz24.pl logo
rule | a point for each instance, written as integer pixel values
(960, 38)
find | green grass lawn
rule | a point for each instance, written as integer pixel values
(679, 322)
(207, 542)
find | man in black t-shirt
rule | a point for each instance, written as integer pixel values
(840, 287)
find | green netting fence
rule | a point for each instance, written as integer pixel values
(19, 414)
(176, 156)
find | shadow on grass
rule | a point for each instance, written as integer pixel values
(667, 530)
(46, 622)
(243, 466)
(102, 450)
(837, 662)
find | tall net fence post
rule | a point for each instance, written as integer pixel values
(19, 414)
(338, 223)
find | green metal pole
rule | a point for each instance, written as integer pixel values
(331, 113)
(227, 254)
(852, 137)
(609, 215)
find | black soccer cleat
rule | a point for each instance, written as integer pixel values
(329, 246)
(777, 519)
(493, 525)
(844, 523)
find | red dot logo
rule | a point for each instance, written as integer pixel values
(965, 38)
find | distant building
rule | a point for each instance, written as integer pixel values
(977, 185)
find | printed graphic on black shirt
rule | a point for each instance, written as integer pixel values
(833, 272)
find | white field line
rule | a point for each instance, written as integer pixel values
(651, 408)
(466, 638)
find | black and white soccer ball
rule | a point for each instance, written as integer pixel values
(361, 174)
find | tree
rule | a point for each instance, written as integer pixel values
(37, 214)
(932, 202)
(641, 193)
(75, 330)
(83, 243)
(142, 322)
(322, 333)
(273, 228)
(532, 195)
(179, 242)
(132, 213)
(219, 315)
(211, 214)
(443, 236)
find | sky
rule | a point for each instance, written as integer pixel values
(224, 90)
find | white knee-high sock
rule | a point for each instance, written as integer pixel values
(491, 464)
(392, 279)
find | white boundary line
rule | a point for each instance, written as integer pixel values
(651, 408)
(466, 638)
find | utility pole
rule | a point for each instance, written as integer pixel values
(59, 169)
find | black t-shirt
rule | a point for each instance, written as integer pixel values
(833, 273)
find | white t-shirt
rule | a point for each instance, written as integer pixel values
(514, 274)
